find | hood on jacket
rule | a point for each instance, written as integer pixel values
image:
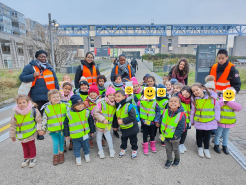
(89, 65)
(33, 62)
(212, 93)
(180, 109)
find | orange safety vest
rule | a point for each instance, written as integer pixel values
(48, 77)
(129, 69)
(90, 77)
(222, 82)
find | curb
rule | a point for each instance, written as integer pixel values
(7, 101)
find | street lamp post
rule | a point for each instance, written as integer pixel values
(51, 39)
(107, 49)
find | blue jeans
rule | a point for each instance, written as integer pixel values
(224, 132)
(58, 141)
(78, 144)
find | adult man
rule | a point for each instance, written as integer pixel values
(134, 64)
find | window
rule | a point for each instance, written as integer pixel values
(169, 40)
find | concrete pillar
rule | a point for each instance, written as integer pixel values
(14, 54)
(1, 57)
(86, 44)
(163, 41)
(98, 42)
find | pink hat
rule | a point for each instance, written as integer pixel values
(93, 88)
(110, 90)
(134, 80)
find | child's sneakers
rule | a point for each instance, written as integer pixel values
(134, 154)
(207, 153)
(25, 163)
(181, 149)
(78, 161)
(163, 143)
(176, 162)
(122, 153)
(152, 146)
(87, 158)
(184, 148)
(168, 163)
(145, 148)
(200, 152)
(32, 163)
(101, 154)
(111, 153)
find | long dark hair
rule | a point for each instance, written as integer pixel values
(185, 71)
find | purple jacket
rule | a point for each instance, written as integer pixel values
(234, 105)
(209, 125)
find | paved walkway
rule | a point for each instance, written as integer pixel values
(220, 169)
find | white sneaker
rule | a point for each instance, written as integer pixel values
(134, 154)
(207, 153)
(25, 163)
(32, 162)
(112, 153)
(200, 152)
(181, 150)
(184, 148)
(122, 153)
(87, 158)
(78, 161)
(101, 154)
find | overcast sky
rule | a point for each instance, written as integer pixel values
(133, 11)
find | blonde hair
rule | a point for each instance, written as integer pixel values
(23, 96)
(53, 91)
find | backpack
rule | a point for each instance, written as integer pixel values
(136, 109)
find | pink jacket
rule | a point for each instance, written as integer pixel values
(234, 105)
(209, 125)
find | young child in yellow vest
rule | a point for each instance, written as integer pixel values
(83, 89)
(26, 117)
(169, 87)
(137, 89)
(126, 119)
(78, 124)
(204, 115)
(101, 79)
(172, 126)
(118, 84)
(103, 114)
(227, 121)
(185, 97)
(53, 117)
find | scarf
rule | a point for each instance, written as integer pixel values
(82, 92)
(109, 102)
(24, 111)
(183, 99)
(41, 66)
(123, 67)
(138, 91)
(221, 68)
(120, 104)
(179, 77)
(101, 88)
(93, 100)
(118, 85)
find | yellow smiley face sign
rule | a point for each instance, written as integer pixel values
(228, 95)
(161, 92)
(149, 93)
(129, 90)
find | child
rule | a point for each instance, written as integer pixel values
(177, 88)
(126, 119)
(144, 83)
(149, 116)
(78, 124)
(185, 97)
(65, 79)
(101, 79)
(104, 114)
(205, 113)
(169, 87)
(210, 84)
(118, 84)
(137, 89)
(172, 126)
(25, 119)
(83, 89)
(227, 121)
(173, 81)
(53, 118)
(165, 79)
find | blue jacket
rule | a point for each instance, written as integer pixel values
(123, 75)
(39, 91)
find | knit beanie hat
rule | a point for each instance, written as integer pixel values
(107, 84)
(134, 80)
(146, 76)
(93, 88)
(210, 82)
(40, 52)
(173, 81)
(110, 90)
(84, 82)
(83, 79)
(161, 86)
(75, 99)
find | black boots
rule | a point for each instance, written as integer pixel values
(217, 149)
(225, 150)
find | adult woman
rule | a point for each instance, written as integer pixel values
(43, 79)
(87, 69)
(180, 71)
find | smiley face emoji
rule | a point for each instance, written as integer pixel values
(228, 95)
(149, 93)
(161, 92)
(128, 89)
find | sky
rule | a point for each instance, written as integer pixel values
(132, 11)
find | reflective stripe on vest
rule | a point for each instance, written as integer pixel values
(108, 112)
(129, 70)
(48, 77)
(147, 110)
(168, 128)
(25, 125)
(123, 113)
(227, 115)
(207, 113)
(52, 112)
(162, 104)
(187, 111)
(222, 82)
(87, 74)
(78, 128)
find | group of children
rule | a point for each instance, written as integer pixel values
(76, 114)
